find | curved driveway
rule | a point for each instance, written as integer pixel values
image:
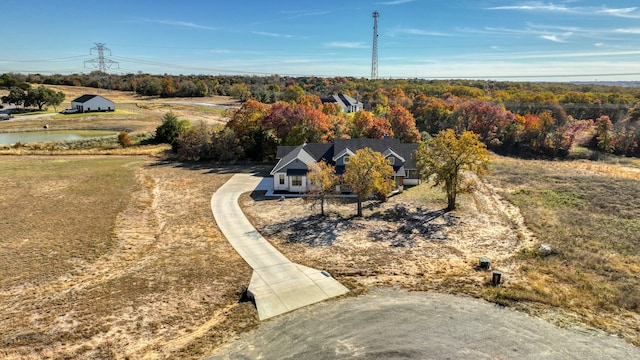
(277, 284)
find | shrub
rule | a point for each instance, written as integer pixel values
(124, 139)
(170, 130)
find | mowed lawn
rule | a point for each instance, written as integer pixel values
(589, 214)
(114, 256)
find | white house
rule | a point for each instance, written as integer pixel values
(88, 103)
(290, 173)
(346, 102)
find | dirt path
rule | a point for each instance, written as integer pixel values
(395, 324)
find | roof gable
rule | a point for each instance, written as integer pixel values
(298, 153)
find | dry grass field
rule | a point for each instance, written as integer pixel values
(114, 257)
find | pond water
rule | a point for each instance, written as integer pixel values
(51, 136)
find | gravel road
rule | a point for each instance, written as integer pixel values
(395, 324)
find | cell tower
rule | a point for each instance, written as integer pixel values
(374, 55)
(101, 62)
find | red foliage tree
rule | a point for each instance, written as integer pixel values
(403, 124)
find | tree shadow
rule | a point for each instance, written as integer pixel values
(315, 230)
(413, 225)
(260, 169)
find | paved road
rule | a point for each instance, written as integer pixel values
(395, 324)
(277, 284)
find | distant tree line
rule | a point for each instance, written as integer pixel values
(520, 118)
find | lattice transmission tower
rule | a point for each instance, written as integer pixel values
(101, 63)
(374, 54)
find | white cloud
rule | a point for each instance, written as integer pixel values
(625, 12)
(181, 24)
(420, 32)
(346, 45)
(533, 7)
(395, 2)
(634, 31)
(630, 12)
(559, 38)
(275, 35)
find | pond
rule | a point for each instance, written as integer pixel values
(51, 136)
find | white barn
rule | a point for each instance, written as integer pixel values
(87, 103)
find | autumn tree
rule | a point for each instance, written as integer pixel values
(403, 124)
(323, 179)
(240, 92)
(444, 158)
(604, 135)
(366, 173)
(292, 94)
(431, 114)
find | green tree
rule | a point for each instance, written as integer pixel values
(17, 97)
(323, 180)
(42, 96)
(446, 156)
(366, 173)
(170, 130)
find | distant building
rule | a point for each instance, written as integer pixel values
(346, 102)
(88, 103)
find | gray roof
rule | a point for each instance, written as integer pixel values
(87, 97)
(343, 100)
(318, 152)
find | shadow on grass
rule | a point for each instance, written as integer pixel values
(260, 169)
(315, 230)
(413, 225)
(410, 227)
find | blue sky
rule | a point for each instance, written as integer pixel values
(489, 39)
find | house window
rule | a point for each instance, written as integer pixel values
(346, 159)
(296, 181)
(391, 160)
(281, 179)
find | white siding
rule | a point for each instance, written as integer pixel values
(277, 186)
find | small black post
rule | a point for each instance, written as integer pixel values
(495, 279)
(485, 263)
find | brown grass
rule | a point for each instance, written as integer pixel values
(114, 256)
(588, 212)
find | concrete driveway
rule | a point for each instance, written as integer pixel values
(396, 324)
(277, 285)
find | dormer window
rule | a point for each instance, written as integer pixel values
(391, 160)
(345, 159)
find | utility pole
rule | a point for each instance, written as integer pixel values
(101, 63)
(374, 55)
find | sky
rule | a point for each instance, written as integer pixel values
(513, 40)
